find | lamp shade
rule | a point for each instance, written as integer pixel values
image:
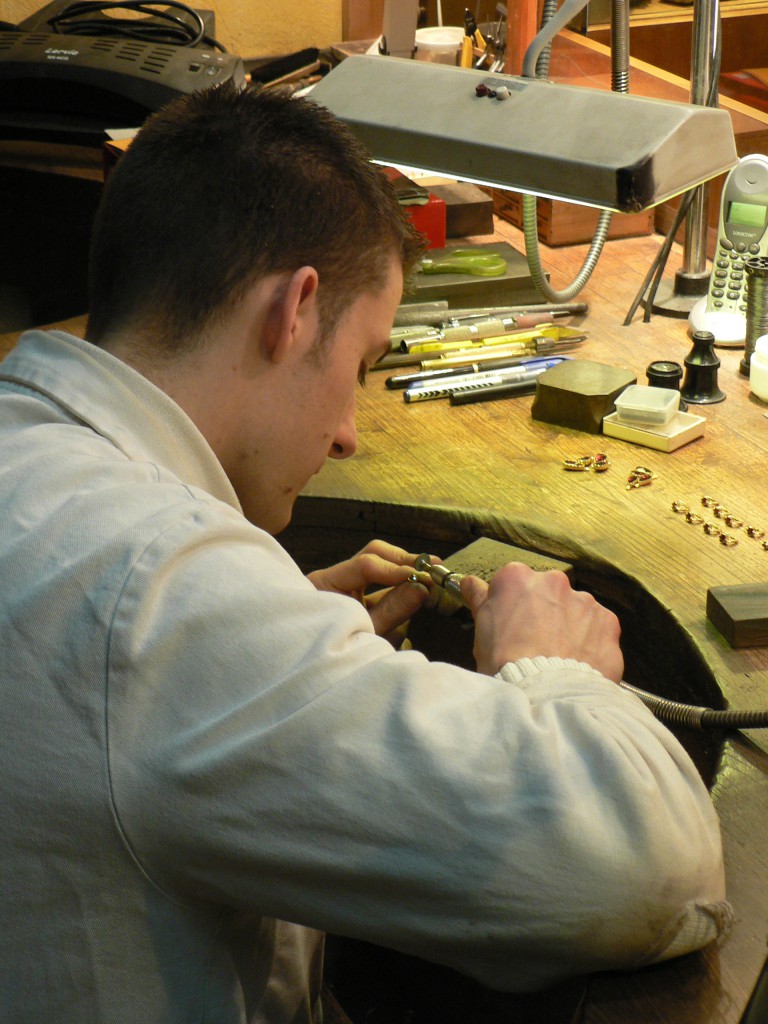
(611, 150)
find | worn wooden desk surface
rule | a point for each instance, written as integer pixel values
(432, 472)
(436, 477)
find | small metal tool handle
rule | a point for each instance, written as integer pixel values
(443, 577)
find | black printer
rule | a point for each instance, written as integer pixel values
(62, 86)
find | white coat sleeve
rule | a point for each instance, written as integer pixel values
(268, 751)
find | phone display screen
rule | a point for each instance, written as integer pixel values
(747, 214)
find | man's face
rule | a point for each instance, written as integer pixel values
(312, 408)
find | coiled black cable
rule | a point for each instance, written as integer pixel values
(161, 26)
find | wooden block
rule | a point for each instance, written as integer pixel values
(560, 223)
(514, 287)
(468, 209)
(740, 613)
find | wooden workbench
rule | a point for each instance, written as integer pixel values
(436, 477)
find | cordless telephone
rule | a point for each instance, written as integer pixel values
(742, 233)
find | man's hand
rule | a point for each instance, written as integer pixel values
(523, 613)
(388, 568)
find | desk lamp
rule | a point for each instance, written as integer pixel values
(605, 149)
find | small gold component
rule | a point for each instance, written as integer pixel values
(728, 540)
(578, 465)
(680, 506)
(733, 522)
(755, 533)
(720, 511)
(765, 545)
(708, 502)
(640, 477)
(694, 517)
(712, 529)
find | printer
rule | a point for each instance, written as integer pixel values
(63, 87)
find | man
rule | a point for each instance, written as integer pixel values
(207, 759)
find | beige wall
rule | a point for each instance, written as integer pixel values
(249, 28)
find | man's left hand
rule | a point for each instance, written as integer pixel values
(388, 568)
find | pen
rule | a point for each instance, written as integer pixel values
(527, 342)
(429, 390)
(490, 392)
(404, 380)
(535, 346)
(436, 347)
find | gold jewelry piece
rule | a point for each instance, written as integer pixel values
(720, 511)
(599, 463)
(733, 522)
(708, 502)
(680, 506)
(640, 477)
(694, 517)
(578, 465)
(728, 540)
(755, 533)
(712, 529)
(765, 545)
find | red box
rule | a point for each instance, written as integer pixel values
(429, 218)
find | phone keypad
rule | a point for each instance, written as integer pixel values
(728, 275)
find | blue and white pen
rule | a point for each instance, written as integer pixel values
(527, 373)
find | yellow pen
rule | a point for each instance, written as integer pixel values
(519, 348)
(437, 346)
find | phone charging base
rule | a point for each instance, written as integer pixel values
(729, 329)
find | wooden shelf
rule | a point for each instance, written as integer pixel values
(583, 60)
(660, 34)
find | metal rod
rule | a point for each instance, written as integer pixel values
(705, 18)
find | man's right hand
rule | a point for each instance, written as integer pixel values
(523, 613)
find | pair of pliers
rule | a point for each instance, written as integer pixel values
(473, 37)
(465, 261)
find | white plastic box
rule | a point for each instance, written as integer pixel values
(643, 406)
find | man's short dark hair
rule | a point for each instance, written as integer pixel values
(223, 187)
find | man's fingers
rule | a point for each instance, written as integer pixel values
(475, 592)
(396, 606)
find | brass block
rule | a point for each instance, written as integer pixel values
(578, 393)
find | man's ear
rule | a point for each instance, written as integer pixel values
(293, 317)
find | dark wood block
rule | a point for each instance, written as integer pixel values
(468, 210)
(579, 393)
(740, 613)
